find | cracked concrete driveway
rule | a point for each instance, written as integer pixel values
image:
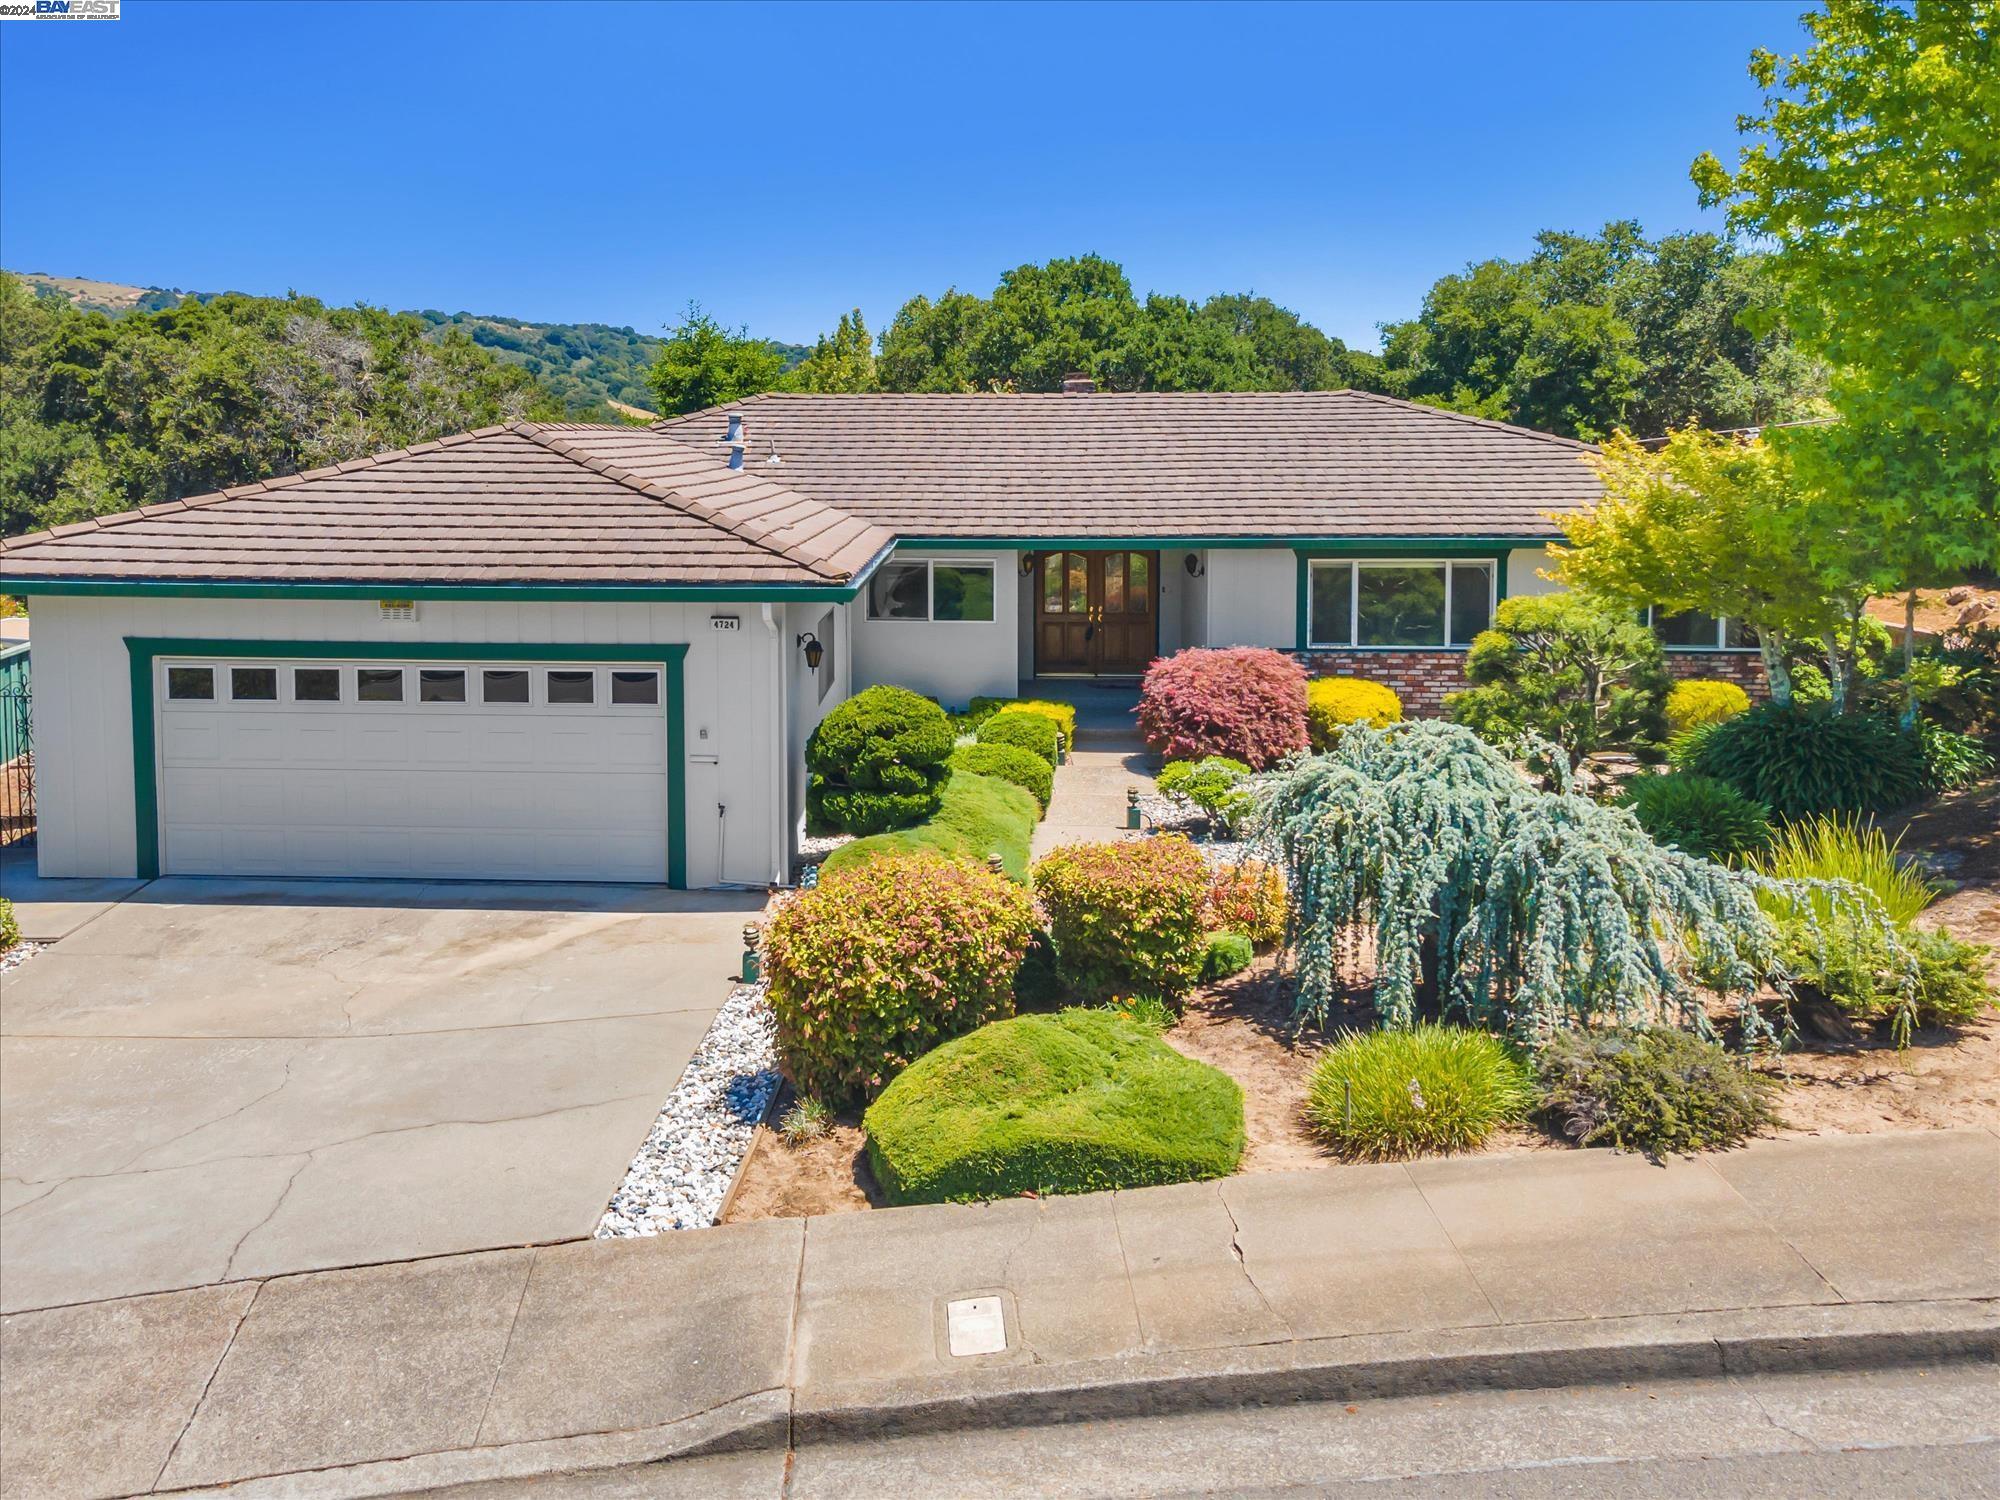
(215, 1080)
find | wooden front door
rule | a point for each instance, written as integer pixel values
(1096, 613)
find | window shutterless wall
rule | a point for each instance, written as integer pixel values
(950, 660)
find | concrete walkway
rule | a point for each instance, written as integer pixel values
(1089, 800)
(1546, 1269)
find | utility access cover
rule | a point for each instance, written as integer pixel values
(976, 1326)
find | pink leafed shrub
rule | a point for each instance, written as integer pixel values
(1243, 701)
(1126, 917)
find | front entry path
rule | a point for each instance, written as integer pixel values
(217, 1079)
(1088, 803)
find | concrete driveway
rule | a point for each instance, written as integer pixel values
(214, 1079)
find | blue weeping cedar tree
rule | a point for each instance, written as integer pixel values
(1543, 910)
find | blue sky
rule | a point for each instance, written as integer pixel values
(609, 162)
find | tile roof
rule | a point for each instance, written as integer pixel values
(521, 504)
(1291, 464)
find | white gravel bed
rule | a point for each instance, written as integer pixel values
(19, 954)
(683, 1171)
(1178, 815)
(812, 850)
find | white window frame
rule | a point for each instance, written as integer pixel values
(930, 565)
(1451, 565)
(1721, 637)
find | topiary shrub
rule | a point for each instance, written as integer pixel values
(1698, 815)
(1063, 715)
(1800, 760)
(978, 817)
(1651, 1089)
(873, 967)
(1332, 703)
(1696, 701)
(1227, 953)
(1215, 784)
(877, 762)
(1248, 897)
(1244, 702)
(1025, 731)
(1386, 1095)
(1023, 768)
(1076, 1102)
(1126, 916)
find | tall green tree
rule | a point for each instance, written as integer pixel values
(841, 361)
(703, 364)
(1874, 173)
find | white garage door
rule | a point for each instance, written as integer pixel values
(465, 770)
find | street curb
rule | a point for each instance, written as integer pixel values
(1375, 1367)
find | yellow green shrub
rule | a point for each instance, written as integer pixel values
(1703, 700)
(1332, 703)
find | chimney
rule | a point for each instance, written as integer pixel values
(735, 439)
(1076, 383)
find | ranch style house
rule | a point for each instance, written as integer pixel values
(580, 652)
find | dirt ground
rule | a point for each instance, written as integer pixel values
(1243, 1026)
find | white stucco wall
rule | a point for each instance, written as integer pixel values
(950, 660)
(1253, 595)
(83, 712)
(1524, 566)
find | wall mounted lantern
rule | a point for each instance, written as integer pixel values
(815, 652)
(1195, 566)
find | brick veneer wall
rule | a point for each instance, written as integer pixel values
(1422, 678)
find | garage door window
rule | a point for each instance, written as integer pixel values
(635, 687)
(505, 685)
(379, 684)
(253, 684)
(316, 684)
(441, 685)
(572, 687)
(191, 684)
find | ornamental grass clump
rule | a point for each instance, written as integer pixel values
(1651, 1089)
(1516, 909)
(878, 964)
(1803, 760)
(877, 762)
(1245, 702)
(1126, 916)
(1389, 1095)
(1699, 815)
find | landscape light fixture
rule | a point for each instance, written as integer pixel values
(815, 652)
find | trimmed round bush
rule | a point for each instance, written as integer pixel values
(1214, 784)
(979, 817)
(1063, 715)
(1801, 760)
(878, 964)
(877, 762)
(1332, 703)
(1651, 1089)
(1228, 953)
(1698, 815)
(1076, 1102)
(1027, 731)
(1386, 1095)
(1695, 701)
(1248, 898)
(1245, 702)
(1126, 916)
(1010, 763)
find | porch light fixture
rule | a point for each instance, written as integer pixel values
(815, 652)
(1194, 565)
(1027, 563)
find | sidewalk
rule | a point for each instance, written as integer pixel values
(1549, 1268)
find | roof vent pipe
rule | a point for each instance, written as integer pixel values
(735, 440)
(1076, 383)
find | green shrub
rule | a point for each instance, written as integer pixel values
(1695, 701)
(1845, 849)
(1651, 1089)
(1699, 815)
(873, 967)
(10, 927)
(978, 817)
(1148, 1012)
(1126, 916)
(1803, 761)
(1028, 731)
(1952, 987)
(1227, 953)
(877, 762)
(1332, 703)
(1247, 897)
(1385, 1095)
(1063, 715)
(1215, 784)
(1580, 674)
(1947, 760)
(1024, 768)
(1080, 1101)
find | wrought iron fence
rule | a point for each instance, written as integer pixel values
(17, 762)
